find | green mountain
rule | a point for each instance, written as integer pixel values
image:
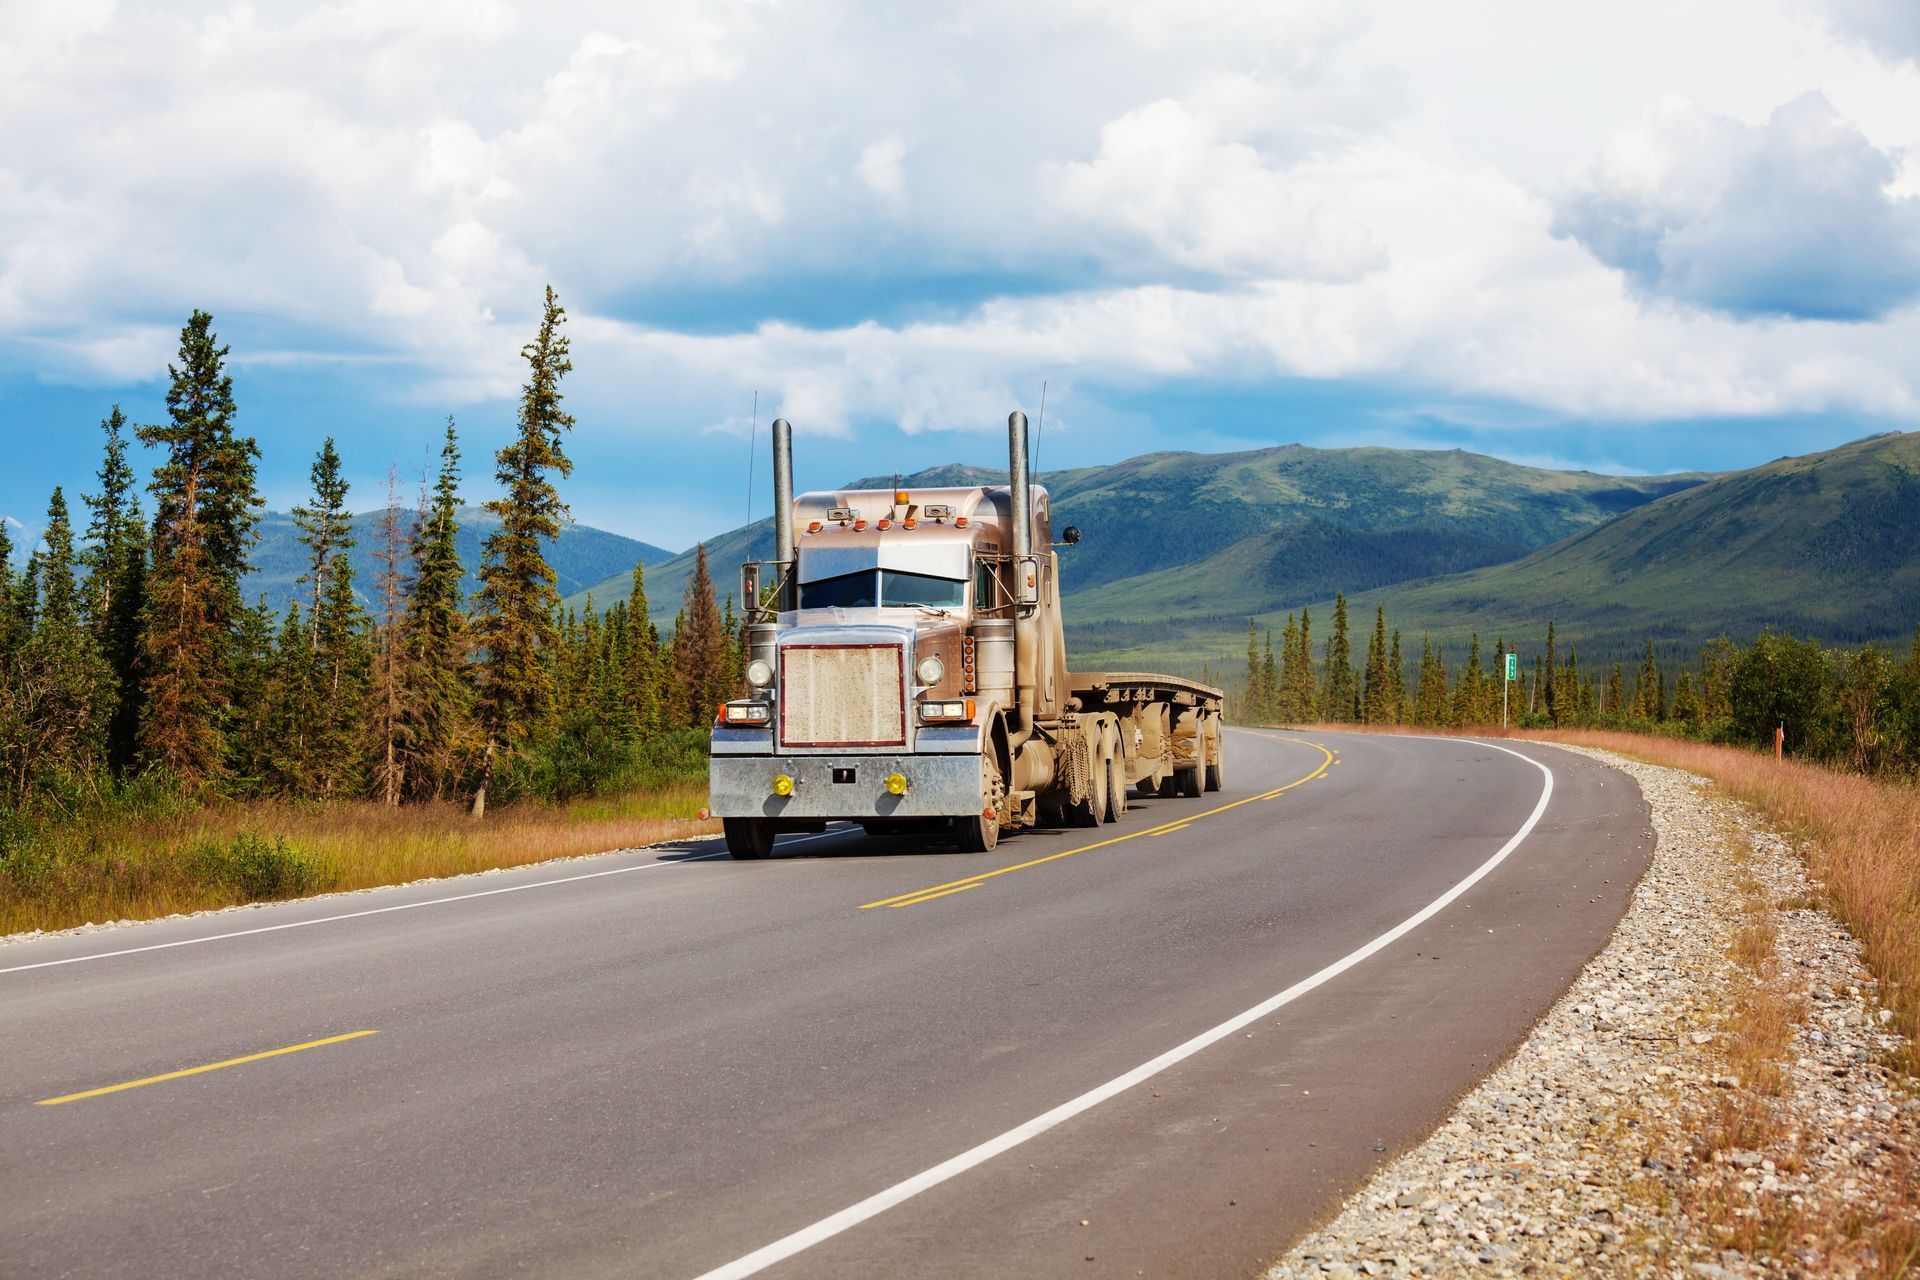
(1223, 535)
(1826, 545)
(580, 556)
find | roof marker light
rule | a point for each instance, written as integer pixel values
(959, 522)
(900, 497)
(813, 526)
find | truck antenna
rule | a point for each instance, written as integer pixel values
(753, 433)
(1040, 431)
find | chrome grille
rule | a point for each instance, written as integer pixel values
(842, 696)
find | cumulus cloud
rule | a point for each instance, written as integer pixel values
(1790, 217)
(1127, 196)
(1889, 26)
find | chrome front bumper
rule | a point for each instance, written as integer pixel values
(938, 786)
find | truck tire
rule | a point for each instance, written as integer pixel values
(1169, 786)
(1217, 766)
(1191, 781)
(748, 839)
(1092, 811)
(1116, 790)
(979, 832)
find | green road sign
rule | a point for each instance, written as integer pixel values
(1513, 666)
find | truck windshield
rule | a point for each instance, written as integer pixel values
(867, 588)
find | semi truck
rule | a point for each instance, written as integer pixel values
(907, 670)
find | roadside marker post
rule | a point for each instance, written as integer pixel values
(1513, 669)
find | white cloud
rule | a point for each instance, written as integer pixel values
(1187, 190)
(1791, 217)
(1891, 26)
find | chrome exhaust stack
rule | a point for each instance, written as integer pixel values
(1022, 491)
(783, 552)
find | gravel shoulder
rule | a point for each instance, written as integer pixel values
(1714, 1096)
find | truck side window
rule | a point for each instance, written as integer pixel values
(986, 593)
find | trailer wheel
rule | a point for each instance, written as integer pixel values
(1192, 781)
(1217, 766)
(1169, 786)
(1092, 811)
(1116, 791)
(748, 839)
(979, 832)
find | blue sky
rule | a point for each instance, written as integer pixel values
(1585, 239)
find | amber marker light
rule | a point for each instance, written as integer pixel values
(900, 497)
(896, 784)
(782, 785)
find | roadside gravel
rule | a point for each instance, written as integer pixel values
(1610, 1142)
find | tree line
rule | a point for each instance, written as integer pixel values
(1856, 708)
(127, 650)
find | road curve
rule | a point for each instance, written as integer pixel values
(887, 1055)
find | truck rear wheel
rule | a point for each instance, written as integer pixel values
(1092, 811)
(979, 832)
(1116, 790)
(1217, 766)
(748, 839)
(1191, 780)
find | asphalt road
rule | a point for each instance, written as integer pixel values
(662, 1063)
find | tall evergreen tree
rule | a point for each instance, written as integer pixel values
(1251, 712)
(1649, 700)
(1616, 698)
(391, 685)
(1269, 683)
(1379, 707)
(203, 523)
(55, 690)
(1340, 695)
(116, 585)
(517, 597)
(699, 649)
(1552, 676)
(640, 669)
(326, 530)
(1397, 681)
(437, 713)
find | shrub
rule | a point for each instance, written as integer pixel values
(256, 867)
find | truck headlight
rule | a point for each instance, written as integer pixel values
(959, 710)
(745, 713)
(759, 673)
(930, 669)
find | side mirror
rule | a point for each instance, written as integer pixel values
(1070, 535)
(1026, 580)
(750, 587)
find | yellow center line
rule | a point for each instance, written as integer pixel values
(194, 1071)
(928, 897)
(941, 890)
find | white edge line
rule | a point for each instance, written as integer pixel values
(381, 911)
(825, 1229)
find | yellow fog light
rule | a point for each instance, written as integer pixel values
(896, 784)
(782, 785)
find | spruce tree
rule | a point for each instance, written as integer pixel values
(1250, 713)
(1379, 698)
(437, 712)
(1615, 696)
(1269, 704)
(1552, 677)
(1340, 696)
(116, 585)
(391, 683)
(56, 690)
(326, 529)
(203, 523)
(9, 633)
(1649, 701)
(252, 749)
(517, 599)
(699, 649)
(640, 667)
(1397, 681)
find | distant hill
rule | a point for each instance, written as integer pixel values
(581, 556)
(1183, 534)
(1826, 544)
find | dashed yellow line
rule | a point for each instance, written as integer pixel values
(194, 1071)
(954, 886)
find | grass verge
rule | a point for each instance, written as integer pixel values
(113, 867)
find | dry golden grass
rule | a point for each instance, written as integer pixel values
(154, 867)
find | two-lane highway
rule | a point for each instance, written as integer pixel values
(1189, 1031)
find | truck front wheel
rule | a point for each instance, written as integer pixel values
(748, 839)
(980, 832)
